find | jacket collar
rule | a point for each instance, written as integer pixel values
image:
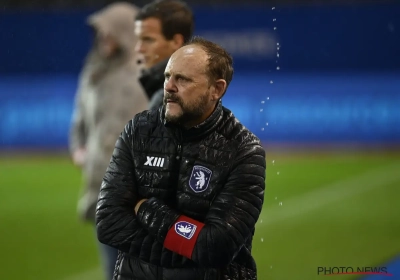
(153, 79)
(198, 131)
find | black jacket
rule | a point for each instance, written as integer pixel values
(152, 81)
(213, 173)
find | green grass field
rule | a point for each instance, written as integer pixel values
(321, 209)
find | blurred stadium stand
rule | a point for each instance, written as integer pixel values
(63, 4)
(309, 72)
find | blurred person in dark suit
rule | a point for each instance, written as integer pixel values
(109, 94)
(162, 27)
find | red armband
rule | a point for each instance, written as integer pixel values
(181, 237)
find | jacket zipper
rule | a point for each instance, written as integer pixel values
(179, 151)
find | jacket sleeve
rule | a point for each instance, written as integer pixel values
(129, 100)
(77, 135)
(116, 222)
(229, 223)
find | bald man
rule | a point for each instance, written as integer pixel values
(185, 187)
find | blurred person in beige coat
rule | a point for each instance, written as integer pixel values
(108, 96)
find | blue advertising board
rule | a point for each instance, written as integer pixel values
(295, 108)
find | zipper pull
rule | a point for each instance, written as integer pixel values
(179, 152)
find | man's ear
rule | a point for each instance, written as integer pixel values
(177, 41)
(219, 89)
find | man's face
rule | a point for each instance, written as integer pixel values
(152, 44)
(187, 92)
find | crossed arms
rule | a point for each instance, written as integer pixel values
(230, 220)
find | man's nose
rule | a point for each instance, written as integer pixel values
(169, 85)
(139, 48)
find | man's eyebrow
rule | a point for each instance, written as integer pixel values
(178, 75)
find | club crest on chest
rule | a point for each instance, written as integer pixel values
(200, 178)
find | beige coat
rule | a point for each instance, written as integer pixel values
(109, 95)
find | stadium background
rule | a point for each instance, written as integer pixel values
(317, 81)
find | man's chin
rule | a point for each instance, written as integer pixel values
(173, 117)
(173, 109)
